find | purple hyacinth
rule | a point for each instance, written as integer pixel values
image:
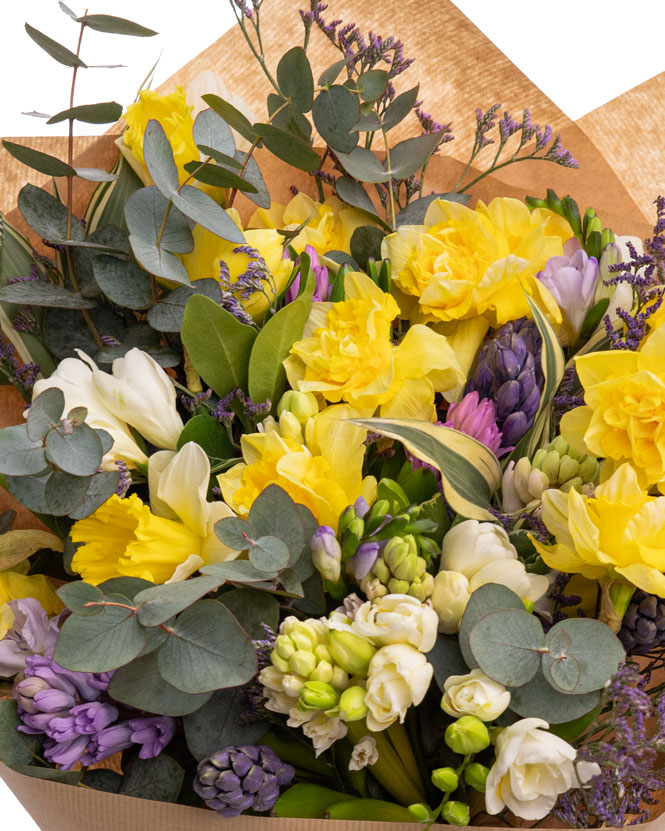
(153, 733)
(643, 625)
(509, 373)
(238, 778)
(477, 418)
(322, 286)
(31, 633)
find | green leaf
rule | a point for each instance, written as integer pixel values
(353, 193)
(470, 472)
(267, 376)
(94, 174)
(207, 650)
(64, 493)
(127, 586)
(101, 642)
(33, 293)
(76, 595)
(447, 659)
(274, 513)
(414, 212)
(78, 452)
(335, 113)
(209, 434)
(311, 801)
(407, 157)
(593, 317)
(46, 215)
(374, 810)
(14, 748)
(210, 130)
(507, 645)
(16, 546)
(106, 113)
(159, 160)
(106, 207)
(115, 25)
(37, 160)
(294, 78)
(237, 571)
(66, 10)
(285, 116)
(252, 609)
(158, 261)
(167, 315)
(252, 174)
(159, 779)
(538, 699)
(101, 487)
(233, 117)
(65, 777)
(365, 244)
(235, 532)
(218, 345)
(362, 164)
(583, 655)
(488, 598)
(330, 75)
(140, 685)
(123, 282)
(369, 123)
(288, 148)
(218, 177)
(222, 158)
(372, 84)
(219, 723)
(399, 108)
(159, 603)
(58, 52)
(19, 456)
(103, 780)
(198, 206)
(573, 729)
(269, 554)
(44, 413)
(29, 490)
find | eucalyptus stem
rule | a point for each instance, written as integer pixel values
(390, 183)
(258, 55)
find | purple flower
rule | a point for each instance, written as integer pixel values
(92, 717)
(476, 418)
(153, 733)
(65, 753)
(362, 561)
(572, 282)
(31, 634)
(326, 553)
(322, 289)
(107, 742)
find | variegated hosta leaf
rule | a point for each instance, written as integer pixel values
(470, 472)
(16, 546)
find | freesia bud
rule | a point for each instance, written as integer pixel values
(445, 779)
(362, 561)
(420, 812)
(351, 652)
(467, 735)
(476, 776)
(450, 595)
(317, 695)
(572, 283)
(456, 813)
(303, 405)
(352, 705)
(327, 553)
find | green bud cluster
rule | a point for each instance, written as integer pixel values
(301, 650)
(400, 570)
(565, 469)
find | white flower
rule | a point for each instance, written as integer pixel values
(141, 394)
(399, 676)
(474, 695)
(449, 598)
(364, 753)
(397, 618)
(470, 545)
(513, 575)
(532, 768)
(323, 730)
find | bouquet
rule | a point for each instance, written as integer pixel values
(349, 507)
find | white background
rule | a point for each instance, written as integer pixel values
(581, 53)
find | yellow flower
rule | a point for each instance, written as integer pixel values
(210, 251)
(330, 225)
(347, 355)
(16, 586)
(624, 416)
(175, 116)
(617, 533)
(463, 263)
(124, 537)
(322, 470)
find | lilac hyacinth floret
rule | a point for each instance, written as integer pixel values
(476, 418)
(238, 778)
(32, 633)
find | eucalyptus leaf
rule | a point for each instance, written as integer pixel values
(369, 123)
(115, 25)
(198, 206)
(64, 777)
(46, 215)
(399, 108)
(106, 113)
(366, 244)
(362, 164)
(159, 160)
(372, 84)
(235, 532)
(42, 162)
(583, 655)
(160, 778)
(14, 747)
(167, 315)
(44, 413)
(29, 491)
(78, 452)
(285, 116)
(77, 595)
(294, 78)
(158, 604)
(275, 514)
(269, 554)
(330, 75)
(254, 610)
(64, 493)
(33, 293)
(237, 571)
(219, 723)
(218, 177)
(407, 157)
(252, 174)
(94, 174)
(538, 699)
(353, 193)
(211, 130)
(103, 780)
(158, 261)
(58, 52)
(19, 455)
(335, 113)
(488, 598)
(233, 117)
(507, 644)
(127, 586)
(447, 659)
(288, 148)
(123, 282)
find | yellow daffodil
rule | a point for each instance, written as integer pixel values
(321, 470)
(463, 263)
(175, 115)
(210, 251)
(347, 354)
(16, 586)
(624, 416)
(164, 542)
(617, 533)
(330, 225)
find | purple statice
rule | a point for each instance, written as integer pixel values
(322, 286)
(25, 320)
(559, 599)
(21, 375)
(626, 745)
(477, 418)
(564, 400)
(193, 402)
(109, 340)
(429, 125)
(35, 276)
(236, 779)
(124, 480)
(252, 412)
(31, 633)
(229, 300)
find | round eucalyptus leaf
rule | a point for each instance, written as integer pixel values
(538, 699)
(76, 595)
(269, 554)
(64, 492)
(101, 487)
(78, 452)
(159, 158)
(30, 491)
(508, 645)
(144, 214)
(335, 113)
(488, 598)
(235, 532)
(211, 130)
(19, 455)
(45, 412)
(594, 647)
(123, 282)
(275, 514)
(294, 77)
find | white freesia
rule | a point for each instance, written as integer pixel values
(513, 575)
(532, 768)
(75, 378)
(364, 753)
(470, 545)
(178, 484)
(449, 598)
(474, 694)
(140, 393)
(323, 730)
(399, 677)
(397, 618)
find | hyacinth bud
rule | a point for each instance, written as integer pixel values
(467, 735)
(302, 662)
(376, 515)
(420, 812)
(643, 625)
(445, 779)
(400, 555)
(422, 587)
(352, 705)
(475, 775)
(322, 672)
(428, 548)
(477, 418)
(25, 691)
(327, 553)
(399, 570)
(351, 652)
(456, 813)
(594, 225)
(611, 256)
(303, 405)
(373, 588)
(317, 695)
(351, 538)
(290, 427)
(346, 518)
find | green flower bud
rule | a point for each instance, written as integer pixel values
(476, 776)
(277, 661)
(284, 646)
(445, 779)
(494, 734)
(421, 567)
(303, 405)
(528, 604)
(303, 635)
(352, 705)
(456, 813)
(316, 695)
(395, 495)
(351, 652)
(322, 654)
(351, 538)
(568, 468)
(550, 466)
(345, 519)
(539, 457)
(396, 551)
(322, 672)
(376, 515)
(381, 570)
(588, 469)
(396, 525)
(559, 445)
(420, 812)
(396, 586)
(572, 484)
(594, 225)
(302, 662)
(427, 547)
(340, 678)
(422, 587)
(467, 735)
